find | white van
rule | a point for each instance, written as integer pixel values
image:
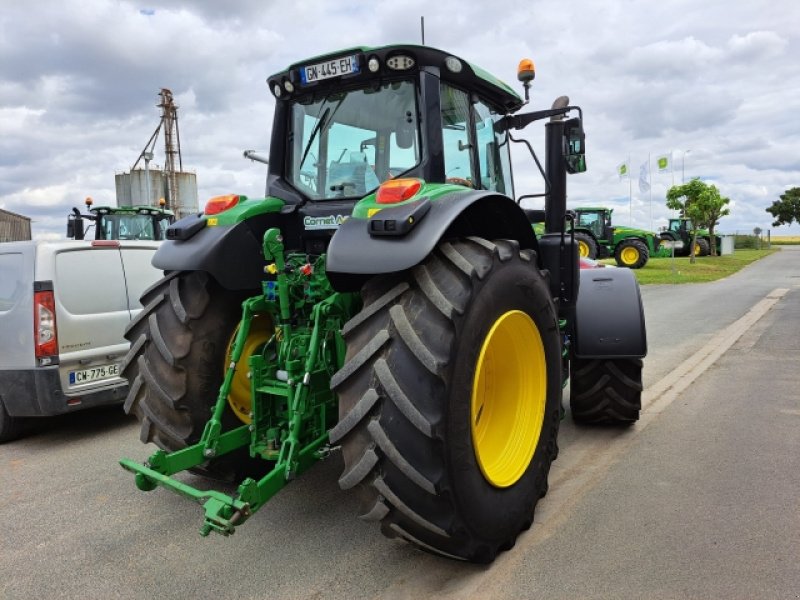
(63, 309)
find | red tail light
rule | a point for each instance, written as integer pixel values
(397, 190)
(44, 327)
(220, 204)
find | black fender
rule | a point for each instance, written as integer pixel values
(609, 316)
(354, 255)
(231, 254)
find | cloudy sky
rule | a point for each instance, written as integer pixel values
(716, 84)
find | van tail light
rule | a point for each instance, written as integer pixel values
(44, 328)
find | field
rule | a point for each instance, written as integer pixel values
(786, 240)
(707, 268)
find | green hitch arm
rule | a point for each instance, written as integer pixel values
(213, 428)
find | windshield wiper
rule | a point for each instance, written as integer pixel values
(314, 133)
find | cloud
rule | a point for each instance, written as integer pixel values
(79, 85)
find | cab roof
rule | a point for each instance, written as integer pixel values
(470, 77)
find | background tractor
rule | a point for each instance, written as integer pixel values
(120, 222)
(597, 238)
(682, 230)
(371, 303)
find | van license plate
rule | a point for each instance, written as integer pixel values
(93, 374)
(332, 68)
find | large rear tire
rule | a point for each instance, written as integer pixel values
(702, 248)
(606, 391)
(179, 345)
(449, 399)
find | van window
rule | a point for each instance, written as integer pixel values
(10, 280)
(90, 281)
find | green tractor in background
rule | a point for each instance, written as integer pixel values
(121, 222)
(682, 230)
(374, 304)
(597, 238)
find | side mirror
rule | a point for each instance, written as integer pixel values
(75, 225)
(575, 145)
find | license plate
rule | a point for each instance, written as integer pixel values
(346, 65)
(93, 374)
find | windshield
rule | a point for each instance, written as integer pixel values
(347, 143)
(128, 227)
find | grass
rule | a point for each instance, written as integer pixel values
(707, 268)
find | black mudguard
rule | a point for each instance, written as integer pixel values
(232, 254)
(609, 316)
(354, 255)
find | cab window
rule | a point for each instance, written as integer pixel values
(467, 125)
(456, 136)
(493, 152)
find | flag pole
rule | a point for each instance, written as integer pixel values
(650, 183)
(630, 194)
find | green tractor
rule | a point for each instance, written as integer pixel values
(682, 230)
(597, 238)
(373, 304)
(121, 222)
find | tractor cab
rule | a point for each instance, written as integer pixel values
(596, 220)
(679, 225)
(346, 124)
(120, 222)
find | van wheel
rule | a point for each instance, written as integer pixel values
(10, 427)
(179, 345)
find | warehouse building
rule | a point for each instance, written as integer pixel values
(14, 227)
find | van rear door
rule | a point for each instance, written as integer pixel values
(140, 274)
(91, 316)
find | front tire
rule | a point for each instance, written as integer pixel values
(587, 247)
(176, 363)
(632, 254)
(437, 458)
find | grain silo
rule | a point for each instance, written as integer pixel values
(177, 187)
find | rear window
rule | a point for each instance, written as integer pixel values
(10, 280)
(90, 281)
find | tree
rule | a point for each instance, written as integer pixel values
(787, 209)
(703, 204)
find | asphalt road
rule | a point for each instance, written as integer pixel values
(698, 500)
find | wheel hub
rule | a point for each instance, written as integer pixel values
(508, 398)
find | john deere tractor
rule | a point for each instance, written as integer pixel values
(120, 222)
(388, 299)
(682, 230)
(597, 238)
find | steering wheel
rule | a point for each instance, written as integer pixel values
(459, 181)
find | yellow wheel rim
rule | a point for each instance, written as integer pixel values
(583, 248)
(697, 249)
(239, 397)
(629, 255)
(508, 398)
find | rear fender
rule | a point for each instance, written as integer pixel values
(232, 254)
(354, 255)
(609, 316)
